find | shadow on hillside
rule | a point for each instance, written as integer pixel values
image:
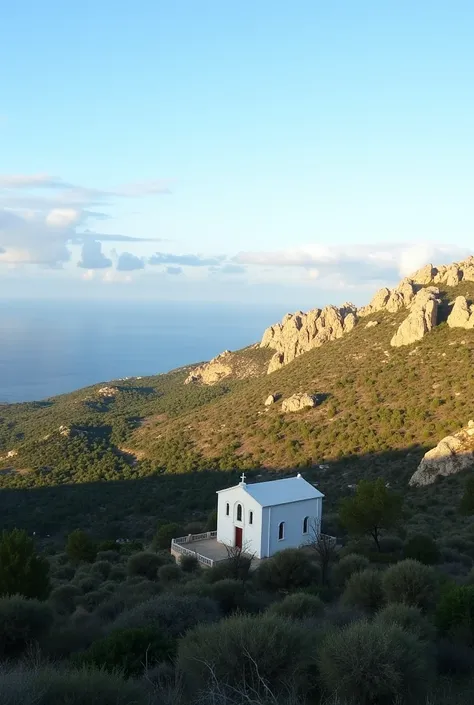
(132, 508)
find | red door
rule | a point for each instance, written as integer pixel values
(238, 537)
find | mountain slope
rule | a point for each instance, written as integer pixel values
(379, 409)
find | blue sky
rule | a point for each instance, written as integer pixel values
(306, 152)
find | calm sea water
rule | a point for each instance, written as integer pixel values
(49, 348)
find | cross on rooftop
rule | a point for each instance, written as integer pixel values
(242, 478)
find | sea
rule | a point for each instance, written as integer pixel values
(54, 347)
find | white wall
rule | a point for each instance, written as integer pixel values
(293, 515)
(251, 533)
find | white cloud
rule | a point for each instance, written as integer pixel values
(127, 262)
(92, 256)
(38, 228)
(356, 264)
(63, 217)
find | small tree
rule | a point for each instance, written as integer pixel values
(164, 534)
(372, 509)
(22, 571)
(80, 547)
(467, 501)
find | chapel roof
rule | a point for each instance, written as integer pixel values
(285, 491)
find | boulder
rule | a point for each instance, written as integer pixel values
(271, 399)
(298, 401)
(462, 314)
(421, 319)
(453, 454)
(372, 324)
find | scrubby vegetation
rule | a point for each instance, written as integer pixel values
(93, 608)
(134, 627)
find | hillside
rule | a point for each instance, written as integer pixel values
(109, 454)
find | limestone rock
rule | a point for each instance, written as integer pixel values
(238, 365)
(377, 304)
(107, 392)
(452, 455)
(425, 275)
(298, 401)
(300, 332)
(213, 371)
(371, 324)
(462, 314)
(271, 399)
(421, 319)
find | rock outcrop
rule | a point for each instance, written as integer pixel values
(452, 455)
(298, 401)
(271, 399)
(421, 319)
(391, 300)
(462, 314)
(238, 365)
(108, 392)
(213, 371)
(300, 332)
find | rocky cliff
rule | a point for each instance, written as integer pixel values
(452, 455)
(299, 332)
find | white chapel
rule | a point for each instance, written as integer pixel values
(263, 518)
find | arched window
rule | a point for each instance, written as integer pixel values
(227, 509)
(281, 531)
(250, 517)
(239, 512)
(305, 525)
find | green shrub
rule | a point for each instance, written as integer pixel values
(170, 573)
(298, 606)
(101, 568)
(374, 664)
(455, 612)
(189, 564)
(63, 598)
(126, 596)
(22, 621)
(80, 547)
(364, 591)
(128, 651)
(248, 652)
(145, 564)
(111, 556)
(22, 571)
(422, 548)
(118, 573)
(51, 686)
(91, 600)
(352, 563)
(229, 594)
(408, 618)
(166, 532)
(236, 568)
(390, 544)
(287, 570)
(174, 614)
(411, 582)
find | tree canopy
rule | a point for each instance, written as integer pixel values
(373, 508)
